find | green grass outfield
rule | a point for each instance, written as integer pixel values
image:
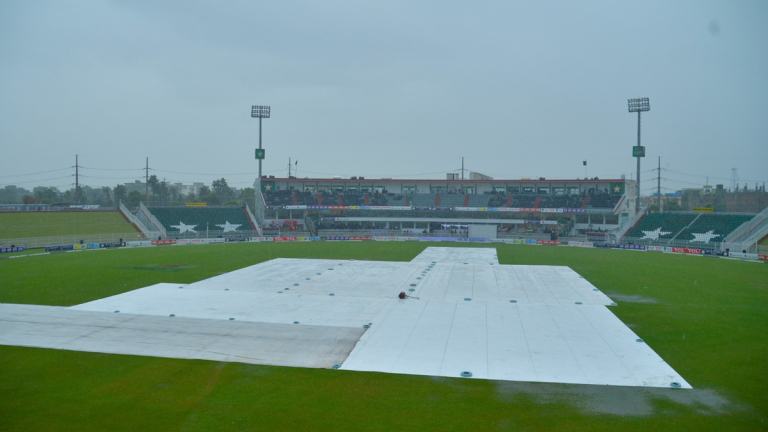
(48, 224)
(707, 317)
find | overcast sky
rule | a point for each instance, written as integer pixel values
(381, 89)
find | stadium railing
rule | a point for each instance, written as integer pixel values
(39, 242)
(134, 220)
(152, 219)
(253, 219)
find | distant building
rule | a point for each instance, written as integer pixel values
(666, 198)
(722, 200)
(479, 176)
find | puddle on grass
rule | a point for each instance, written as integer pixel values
(631, 298)
(619, 400)
(161, 267)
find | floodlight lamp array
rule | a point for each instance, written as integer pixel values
(639, 105)
(260, 111)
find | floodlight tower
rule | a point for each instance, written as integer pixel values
(260, 112)
(638, 105)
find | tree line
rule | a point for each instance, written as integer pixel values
(160, 194)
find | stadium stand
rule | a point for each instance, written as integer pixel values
(524, 200)
(305, 198)
(210, 218)
(602, 201)
(378, 200)
(353, 198)
(396, 199)
(423, 200)
(498, 200)
(279, 198)
(356, 198)
(719, 225)
(477, 200)
(452, 200)
(667, 224)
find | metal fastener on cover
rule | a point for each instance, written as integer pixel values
(595, 289)
(639, 340)
(336, 366)
(675, 384)
(367, 326)
(295, 284)
(614, 304)
(286, 289)
(578, 302)
(411, 289)
(306, 278)
(331, 294)
(295, 322)
(513, 301)
(467, 299)
(466, 374)
(413, 284)
(318, 274)
(226, 289)
(172, 315)
(117, 311)
(231, 319)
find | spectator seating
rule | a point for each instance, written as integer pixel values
(720, 225)
(279, 198)
(423, 200)
(396, 199)
(667, 224)
(202, 218)
(601, 200)
(357, 198)
(478, 200)
(377, 199)
(451, 200)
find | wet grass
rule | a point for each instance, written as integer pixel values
(709, 322)
(46, 224)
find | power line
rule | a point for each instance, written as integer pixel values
(712, 177)
(113, 169)
(211, 174)
(35, 173)
(35, 181)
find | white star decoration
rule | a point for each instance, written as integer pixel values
(654, 235)
(228, 226)
(268, 187)
(705, 237)
(182, 227)
(617, 188)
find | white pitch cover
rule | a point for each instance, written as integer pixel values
(464, 312)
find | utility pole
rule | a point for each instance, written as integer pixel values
(289, 167)
(146, 181)
(462, 169)
(77, 181)
(658, 186)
